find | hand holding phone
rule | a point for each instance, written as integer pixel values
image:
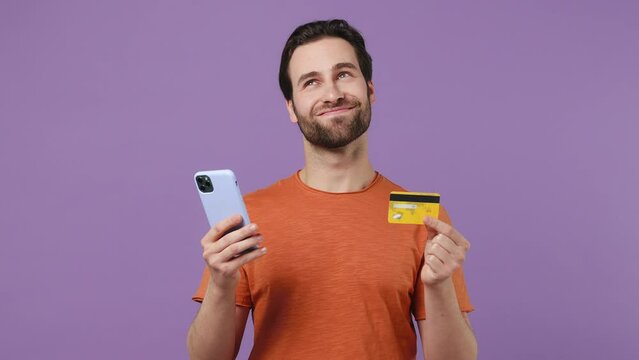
(222, 248)
(232, 240)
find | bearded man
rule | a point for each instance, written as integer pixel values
(338, 281)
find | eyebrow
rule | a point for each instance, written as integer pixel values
(335, 67)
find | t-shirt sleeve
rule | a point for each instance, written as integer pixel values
(463, 299)
(201, 290)
(242, 293)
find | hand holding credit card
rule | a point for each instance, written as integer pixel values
(445, 248)
(412, 207)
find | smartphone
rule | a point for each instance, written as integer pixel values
(221, 198)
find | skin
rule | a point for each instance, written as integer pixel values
(446, 332)
(330, 94)
(340, 169)
(216, 331)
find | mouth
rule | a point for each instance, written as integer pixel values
(336, 111)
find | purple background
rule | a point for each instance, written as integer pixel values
(522, 114)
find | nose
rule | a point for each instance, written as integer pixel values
(333, 92)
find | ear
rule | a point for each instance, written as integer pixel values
(371, 91)
(291, 113)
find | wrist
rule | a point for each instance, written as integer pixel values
(441, 287)
(441, 298)
(220, 290)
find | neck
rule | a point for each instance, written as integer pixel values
(345, 169)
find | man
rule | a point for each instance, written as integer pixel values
(338, 281)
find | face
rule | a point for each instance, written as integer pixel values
(331, 99)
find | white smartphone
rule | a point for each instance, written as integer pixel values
(221, 197)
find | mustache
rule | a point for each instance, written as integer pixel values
(342, 103)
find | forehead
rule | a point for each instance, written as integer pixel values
(320, 56)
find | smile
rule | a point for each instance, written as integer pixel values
(336, 111)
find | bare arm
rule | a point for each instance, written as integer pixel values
(218, 327)
(446, 332)
(216, 331)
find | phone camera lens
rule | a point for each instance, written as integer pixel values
(204, 183)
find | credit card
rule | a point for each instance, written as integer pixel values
(412, 207)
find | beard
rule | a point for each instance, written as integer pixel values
(339, 130)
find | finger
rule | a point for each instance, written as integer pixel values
(457, 254)
(246, 258)
(216, 254)
(436, 265)
(430, 270)
(236, 248)
(235, 236)
(443, 241)
(429, 244)
(440, 253)
(218, 230)
(430, 233)
(444, 228)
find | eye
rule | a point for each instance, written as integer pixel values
(310, 82)
(343, 75)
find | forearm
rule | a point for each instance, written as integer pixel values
(447, 335)
(212, 334)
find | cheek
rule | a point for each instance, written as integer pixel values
(357, 90)
(363, 92)
(304, 104)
